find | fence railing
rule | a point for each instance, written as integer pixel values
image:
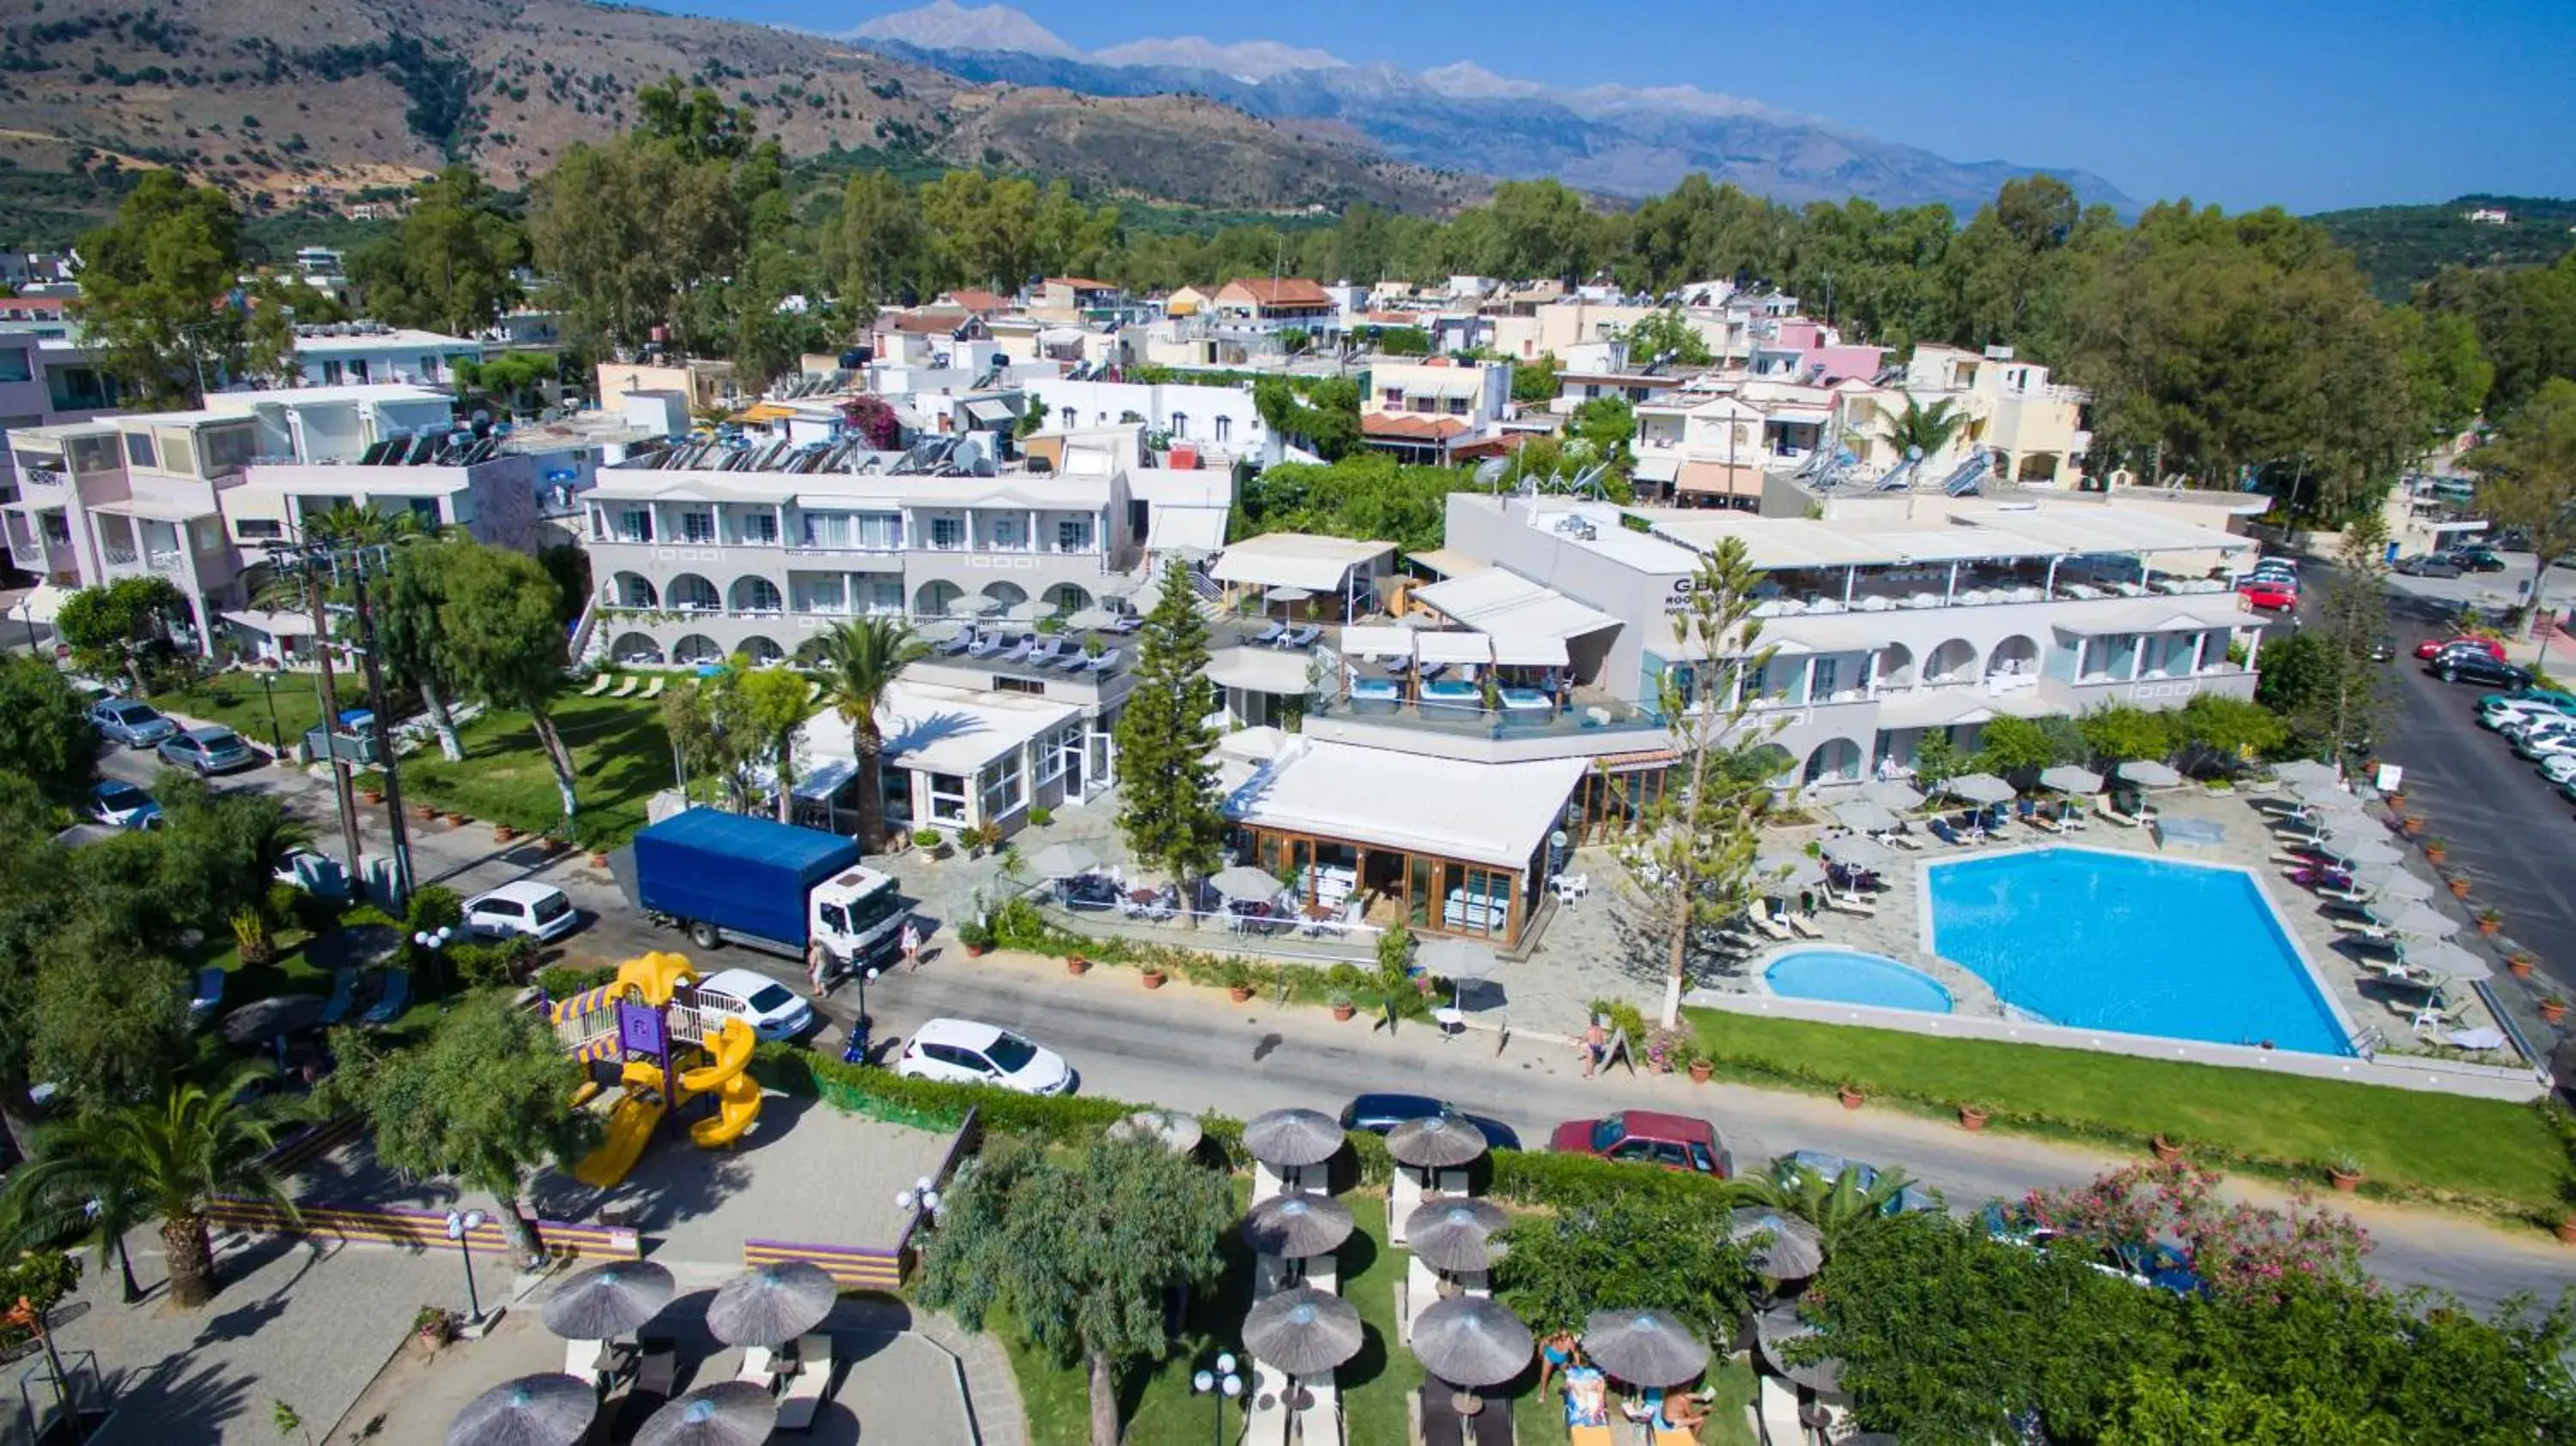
(419, 1229)
(1318, 942)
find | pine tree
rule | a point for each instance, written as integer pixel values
(1169, 811)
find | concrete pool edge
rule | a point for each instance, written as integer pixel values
(2318, 985)
(2479, 1081)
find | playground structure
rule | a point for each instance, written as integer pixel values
(668, 1050)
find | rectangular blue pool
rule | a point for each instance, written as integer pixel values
(2130, 944)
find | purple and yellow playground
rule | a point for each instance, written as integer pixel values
(666, 1051)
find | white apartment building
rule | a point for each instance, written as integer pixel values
(1222, 418)
(361, 352)
(1430, 411)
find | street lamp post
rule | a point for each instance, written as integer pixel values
(922, 1192)
(1220, 1385)
(276, 737)
(432, 942)
(461, 1228)
(26, 611)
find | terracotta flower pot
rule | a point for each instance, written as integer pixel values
(599, 861)
(372, 796)
(2519, 967)
(978, 951)
(1153, 978)
(1343, 1012)
(2435, 853)
(2345, 1181)
(2490, 927)
(2459, 888)
(2397, 800)
(2552, 1011)
(503, 833)
(1850, 1097)
(2567, 1229)
(2166, 1150)
(1075, 964)
(2411, 824)
(1971, 1119)
(424, 812)
(1239, 993)
(456, 819)
(1700, 1070)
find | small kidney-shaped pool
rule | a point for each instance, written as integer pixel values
(1847, 976)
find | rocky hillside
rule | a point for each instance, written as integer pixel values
(293, 99)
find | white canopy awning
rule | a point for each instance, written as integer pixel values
(1173, 527)
(1296, 559)
(1260, 670)
(1453, 648)
(275, 625)
(1371, 640)
(1535, 650)
(1505, 602)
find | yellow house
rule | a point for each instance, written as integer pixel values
(1188, 301)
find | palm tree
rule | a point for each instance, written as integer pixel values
(1923, 431)
(169, 1159)
(860, 659)
(1840, 1207)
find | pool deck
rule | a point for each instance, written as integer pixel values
(1901, 929)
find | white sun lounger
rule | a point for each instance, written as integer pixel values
(1768, 923)
(1850, 903)
(585, 1359)
(2124, 820)
(599, 685)
(654, 689)
(626, 686)
(804, 1394)
(1802, 924)
(756, 1367)
(1403, 1194)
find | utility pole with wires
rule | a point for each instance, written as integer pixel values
(326, 560)
(352, 856)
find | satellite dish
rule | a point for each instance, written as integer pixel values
(1488, 473)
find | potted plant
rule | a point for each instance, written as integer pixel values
(2397, 799)
(2489, 921)
(2520, 965)
(977, 936)
(434, 1326)
(2459, 885)
(2436, 850)
(1076, 965)
(2552, 1008)
(1154, 976)
(2410, 824)
(599, 858)
(927, 840)
(1701, 1068)
(2344, 1172)
(1041, 817)
(371, 794)
(1973, 1116)
(1850, 1095)
(426, 813)
(455, 818)
(1343, 1007)
(1237, 975)
(2166, 1150)
(503, 833)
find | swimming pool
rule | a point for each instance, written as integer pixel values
(2138, 945)
(1846, 976)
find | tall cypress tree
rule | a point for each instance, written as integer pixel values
(1169, 811)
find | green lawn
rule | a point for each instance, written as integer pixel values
(2480, 1154)
(1160, 1410)
(620, 757)
(239, 702)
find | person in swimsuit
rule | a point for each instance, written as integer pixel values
(1554, 1354)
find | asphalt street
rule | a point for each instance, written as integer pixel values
(1189, 1049)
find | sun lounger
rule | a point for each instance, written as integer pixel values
(1404, 1192)
(653, 689)
(600, 684)
(1801, 923)
(813, 1376)
(1323, 1272)
(344, 993)
(1898, 839)
(626, 686)
(1850, 903)
(1590, 1435)
(657, 1369)
(1942, 830)
(586, 1359)
(1320, 1422)
(2124, 820)
(1303, 636)
(1780, 1423)
(1270, 632)
(1768, 924)
(396, 998)
(756, 1366)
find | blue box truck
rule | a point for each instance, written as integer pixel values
(730, 878)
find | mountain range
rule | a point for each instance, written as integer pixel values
(1615, 139)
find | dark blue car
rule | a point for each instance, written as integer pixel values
(1379, 1113)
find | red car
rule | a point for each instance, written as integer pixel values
(2269, 596)
(2489, 646)
(1676, 1142)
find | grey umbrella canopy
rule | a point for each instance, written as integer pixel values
(1088, 619)
(1864, 815)
(772, 1304)
(1062, 861)
(608, 1300)
(1244, 883)
(1644, 1347)
(1286, 594)
(1785, 1248)
(2359, 850)
(2418, 917)
(975, 605)
(1455, 1234)
(1787, 871)
(1298, 1225)
(1860, 853)
(2449, 960)
(1454, 958)
(1893, 793)
(2148, 773)
(268, 1018)
(1179, 1133)
(1774, 1330)
(2067, 778)
(1979, 788)
(548, 1410)
(1293, 1137)
(728, 1413)
(1302, 1331)
(1030, 611)
(2304, 770)
(1435, 1142)
(1471, 1340)
(2393, 883)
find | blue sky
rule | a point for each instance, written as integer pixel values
(2310, 104)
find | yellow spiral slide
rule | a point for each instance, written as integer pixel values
(737, 1093)
(639, 1110)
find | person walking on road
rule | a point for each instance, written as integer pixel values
(1596, 1044)
(911, 943)
(818, 966)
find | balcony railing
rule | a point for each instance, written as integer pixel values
(43, 477)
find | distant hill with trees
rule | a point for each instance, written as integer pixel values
(2401, 247)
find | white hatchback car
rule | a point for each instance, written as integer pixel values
(2558, 767)
(773, 1010)
(540, 911)
(961, 1051)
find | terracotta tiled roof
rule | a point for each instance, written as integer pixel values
(927, 323)
(1412, 429)
(974, 300)
(1082, 283)
(1286, 291)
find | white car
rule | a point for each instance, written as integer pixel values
(773, 1010)
(2510, 718)
(2538, 729)
(539, 911)
(2558, 767)
(2547, 745)
(961, 1051)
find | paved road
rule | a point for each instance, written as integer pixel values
(1187, 1049)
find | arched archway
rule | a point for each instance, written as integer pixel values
(1952, 662)
(757, 594)
(1895, 666)
(696, 649)
(2037, 467)
(1836, 760)
(1008, 594)
(632, 590)
(810, 652)
(637, 649)
(936, 599)
(762, 651)
(1068, 597)
(690, 593)
(2015, 656)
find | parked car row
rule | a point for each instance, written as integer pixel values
(203, 751)
(2270, 585)
(2452, 562)
(2541, 725)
